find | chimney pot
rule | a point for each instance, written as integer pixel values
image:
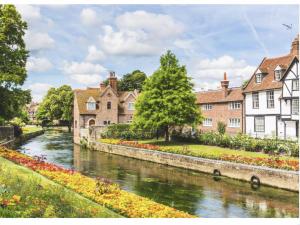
(225, 85)
(113, 81)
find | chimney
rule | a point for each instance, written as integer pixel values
(295, 47)
(113, 81)
(102, 86)
(224, 85)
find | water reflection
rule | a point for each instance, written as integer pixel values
(196, 193)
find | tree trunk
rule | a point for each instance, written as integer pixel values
(167, 138)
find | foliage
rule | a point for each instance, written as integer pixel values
(221, 127)
(13, 57)
(24, 193)
(104, 193)
(271, 161)
(17, 122)
(167, 99)
(131, 81)
(57, 105)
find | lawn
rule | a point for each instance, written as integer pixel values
(24, 193)
(215, 151)
(30, 129)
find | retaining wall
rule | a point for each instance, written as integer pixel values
(24, 137)
(273, 177)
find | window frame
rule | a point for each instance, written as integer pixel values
(293, 86)
(235, 124)
(207, 107)
(278, 72)
(255, 106)
(108, 105)
(233, 105)
(255, 123)
(205, 124)
(295, 107)
(88, 104)
(270, 101)
(260, 75)
(131, 103)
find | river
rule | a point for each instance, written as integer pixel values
(196, 193)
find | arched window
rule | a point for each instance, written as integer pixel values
(91, 122)
(108, 105)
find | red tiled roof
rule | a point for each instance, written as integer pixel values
(268, 66)
(217, 96)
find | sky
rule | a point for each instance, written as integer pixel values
(79, 44)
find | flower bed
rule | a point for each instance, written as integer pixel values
(272, 161)
(100, 191)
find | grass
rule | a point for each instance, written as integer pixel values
(31, 129)
(207, 150)
(26, 194)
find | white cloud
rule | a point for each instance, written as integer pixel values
(29, 13)
(207, 73)
(140, 33)
(94, 54)
(38, 41)
(89, 17)
(38, 64)
(39, 90)
(84, 72)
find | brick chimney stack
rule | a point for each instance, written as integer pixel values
(295, 46)
(225, 85)
(113, 81)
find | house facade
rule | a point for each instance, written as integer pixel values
(102, 106)
(272, 97)
(32, 110)
(222, 105)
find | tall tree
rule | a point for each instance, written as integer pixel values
(57, 105)
(167, 99)
(13, 57)
(131, 81)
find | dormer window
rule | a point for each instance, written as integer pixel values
(278, 73)
(258, 78)
(91, 104)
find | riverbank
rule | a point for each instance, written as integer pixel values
(102, 191)
(256, 174)
(26, 194)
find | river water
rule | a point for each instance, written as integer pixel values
(196, 193)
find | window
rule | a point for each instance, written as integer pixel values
(259, 124)
(258, 78)
(234, 122)
(108, 105)
(130, 105)
(207, 107)
(295, 85)
(255, 100)
(207, 122)
(295, 106)
(278, 74)
(270, 99)
(91, 105)
(234, 105)
(106, 122)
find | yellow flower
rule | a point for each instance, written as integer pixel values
(16, 198)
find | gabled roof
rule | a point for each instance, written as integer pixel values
(288, 69)
(268, 65)
(217, 96)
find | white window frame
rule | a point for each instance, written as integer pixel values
(207, 122)
(295, 85)
(258, 78)
(234, 122)
(234, 105)
(295, 106)
(270, 100)
(259, 127)
(91, 106)
(130, 105)
(278, 74)
(255, 102)
(206, 107)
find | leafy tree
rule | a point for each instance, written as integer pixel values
(13, 57)
(57, 105)
(131, 81)
(167, 99)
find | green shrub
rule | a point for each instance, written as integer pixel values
(221, 127)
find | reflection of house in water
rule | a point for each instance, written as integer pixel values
(193, 192)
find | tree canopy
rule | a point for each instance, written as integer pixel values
(57, 105)
(131, 81)
(13, 58)
(167, 99)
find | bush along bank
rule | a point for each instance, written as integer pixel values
(272, 161)
(101, 190)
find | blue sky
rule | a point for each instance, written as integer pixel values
(79, 44)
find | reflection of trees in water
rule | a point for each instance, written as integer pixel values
(186, 190)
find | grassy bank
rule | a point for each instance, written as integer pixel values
(24, 193)
(213, 152)
(31, 129)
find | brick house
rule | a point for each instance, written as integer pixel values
(102, 106)
(224, 105)
(272, 97)
(32, 110)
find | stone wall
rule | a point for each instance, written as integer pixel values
(273, 177)
(6, 133)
